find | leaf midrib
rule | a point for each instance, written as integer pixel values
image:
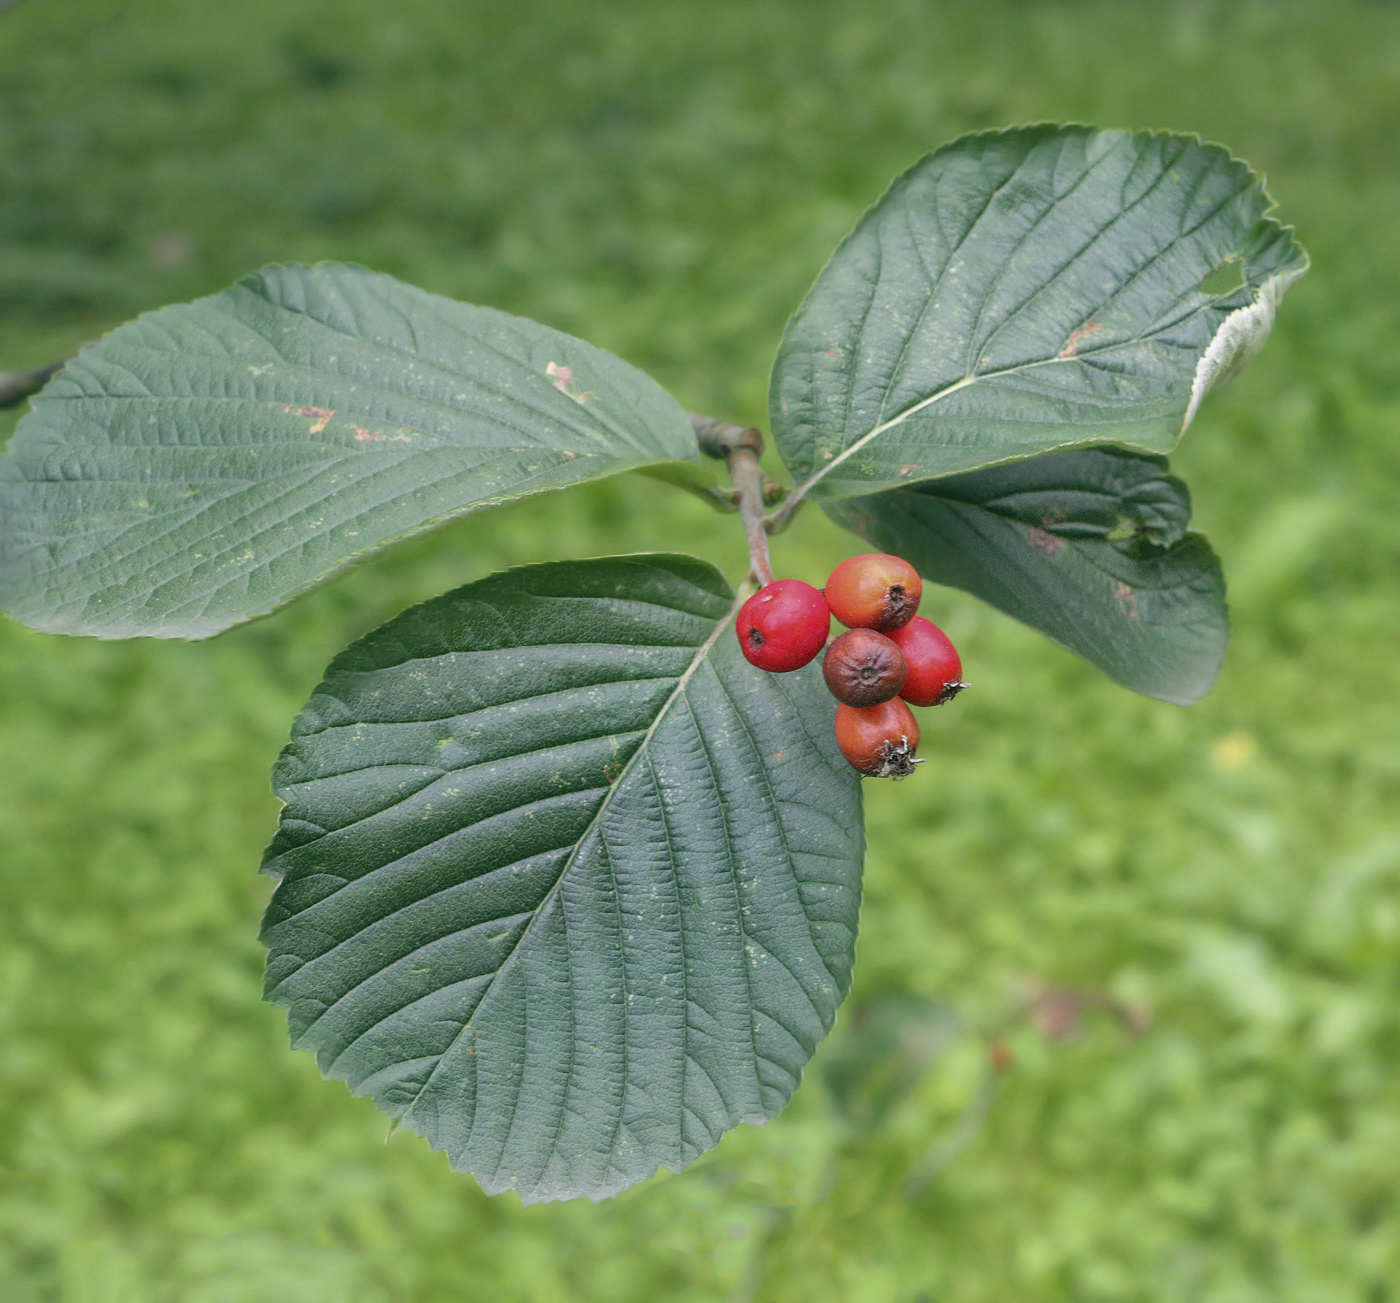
(701, 655)
(966, 382)
(1082, 356)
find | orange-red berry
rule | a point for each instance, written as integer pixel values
(935, 668)
(880, 741)
(863, 668)
(783, 625)
(874, 591)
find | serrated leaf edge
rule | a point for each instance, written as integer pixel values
(57, 623)
(1237, 349)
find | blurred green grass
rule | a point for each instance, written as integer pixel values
(666, 181)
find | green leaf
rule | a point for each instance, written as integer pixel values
(567, 886)
(206, 463)
(1088, 546)
(1025, 290)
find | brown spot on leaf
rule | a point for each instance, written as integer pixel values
(831, 352)
(367, 436)
(1043, 541)
(563, 377)
(908, 469)
(1053, 517)
(322, 415)
(1072, 343)
(1129, 599)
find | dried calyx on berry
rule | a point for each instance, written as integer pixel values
(888, 659)
(874, 591)
(879, 741)
(935, 668)
(864, 668)
(783, 626)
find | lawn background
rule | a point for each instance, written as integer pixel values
(666, 180)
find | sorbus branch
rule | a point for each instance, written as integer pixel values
(740, 448)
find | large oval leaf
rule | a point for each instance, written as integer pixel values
(1089, 546)
(205, 463)
(1024, 290)
(568, 887)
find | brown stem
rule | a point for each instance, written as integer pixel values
(741, 447)
(747, 475)
(16, 386)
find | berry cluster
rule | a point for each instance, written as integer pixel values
(889, 659)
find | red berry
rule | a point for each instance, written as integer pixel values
(875, 591)
(864, 668)
(935, 669)
(783, 625)
(881, 740)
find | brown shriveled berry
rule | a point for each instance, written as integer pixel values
(880, 741)
(864, 668)
(874, 591)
